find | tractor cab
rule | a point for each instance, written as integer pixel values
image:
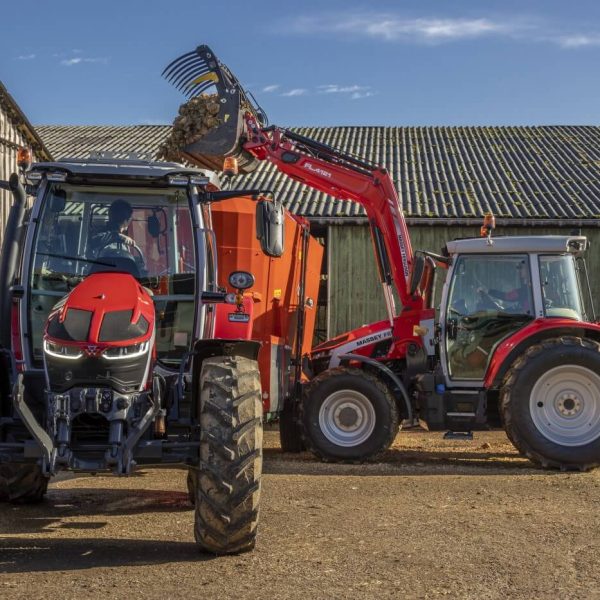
(94, 218)
(495, 287)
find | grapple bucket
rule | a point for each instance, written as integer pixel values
(200, 72)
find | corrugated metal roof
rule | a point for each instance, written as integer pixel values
(442, 173)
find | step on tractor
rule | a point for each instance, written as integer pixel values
(109, 308)
(508, 337)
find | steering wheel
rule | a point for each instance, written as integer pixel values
(486, 302)
(124, 248)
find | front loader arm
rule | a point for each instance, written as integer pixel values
(347, 178)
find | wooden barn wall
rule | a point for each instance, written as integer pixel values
(354, 293)
(10, 139)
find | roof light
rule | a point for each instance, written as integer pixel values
(24, 158)
(230, 166)
(198, 180)
(178, 180)
(34, 177)
(56, 176)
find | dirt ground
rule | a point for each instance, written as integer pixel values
(432, 518)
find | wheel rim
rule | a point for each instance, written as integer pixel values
(347, 418)
(565, 405)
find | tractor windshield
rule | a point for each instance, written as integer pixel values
(560, 287)
(146, 232)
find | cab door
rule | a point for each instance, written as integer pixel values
(490, 297)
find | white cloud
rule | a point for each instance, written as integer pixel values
(295, 92)
(69, 62)
(578, 40)
(358, 95)
(26, 57)
(331, 88)
(395, 28)
(271, 88)
(392, 27)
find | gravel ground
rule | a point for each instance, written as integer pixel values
(432, 518)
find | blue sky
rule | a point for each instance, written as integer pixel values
(327, 62)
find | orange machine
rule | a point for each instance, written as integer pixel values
(284, 295)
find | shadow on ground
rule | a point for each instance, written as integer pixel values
(87, 502)
(18, 555)
(405, 462)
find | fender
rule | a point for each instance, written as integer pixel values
(388, 374)
(507, 351)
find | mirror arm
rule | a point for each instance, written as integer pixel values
(4, 185)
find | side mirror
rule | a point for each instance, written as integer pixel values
(416, 273)
(270, 220)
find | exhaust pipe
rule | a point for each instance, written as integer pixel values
(10, 254)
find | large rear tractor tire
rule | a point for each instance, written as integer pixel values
(228, 477)
(22, 483)
(550, 403)
(348, 415)
(290, 428)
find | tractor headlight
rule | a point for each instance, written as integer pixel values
(123, 352)
(61, 351)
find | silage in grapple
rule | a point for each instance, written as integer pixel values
(196, 118)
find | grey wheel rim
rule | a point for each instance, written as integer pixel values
(565, 405)
(347, 418)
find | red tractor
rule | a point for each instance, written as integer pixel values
(109, 357)
(508, 339)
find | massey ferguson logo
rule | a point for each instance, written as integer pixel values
(310, 167)
(92, 350)
(373, 338)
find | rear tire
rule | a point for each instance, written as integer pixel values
(22, 483)
(228, 483)
(290, 428)
(550, 404)
(348, 415)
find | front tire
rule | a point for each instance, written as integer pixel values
(550, 404)
(22, 483)
(229, 474)
(348, 415)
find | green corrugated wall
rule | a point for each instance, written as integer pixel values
(355, 297)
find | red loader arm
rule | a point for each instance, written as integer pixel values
(347, 178)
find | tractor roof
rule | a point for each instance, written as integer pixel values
(133, 170)
(523, 244)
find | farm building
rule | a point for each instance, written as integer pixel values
(536, 180)
(15, 131)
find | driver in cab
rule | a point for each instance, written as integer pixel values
(519, 298)
(119, 217)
